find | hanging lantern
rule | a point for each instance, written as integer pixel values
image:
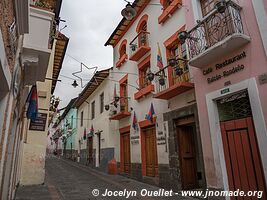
(74, 84)
(172, 61)
(220, 6)
(183, 35)
(161, 80)
(107, 107)
(116, 98)
(128, 12)
(150, 75)
(179, 71)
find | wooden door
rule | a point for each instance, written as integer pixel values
(151, 152)
(242, 156)
(90, 149)
(187, 156)
(126, 152)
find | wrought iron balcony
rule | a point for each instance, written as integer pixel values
(177, 82)
(139, 46)
(122, 109)
(216, 35)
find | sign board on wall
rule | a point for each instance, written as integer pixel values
(40, 122)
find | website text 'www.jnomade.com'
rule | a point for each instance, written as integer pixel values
(168, 193)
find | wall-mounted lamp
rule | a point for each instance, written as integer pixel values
(128, 12)
(220, 6)
(173, 62)
(107, 107)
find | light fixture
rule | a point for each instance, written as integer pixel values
(179, 71)
(183, 35)
(150, 75)
(116, 98)
(107, 107)
(74, 84)
(162, 80)
(220, 6)
(172, 61)
(128, 12)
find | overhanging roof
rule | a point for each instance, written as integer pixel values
(93, 84)
(68, 107)
(123, 26)
(60, 50)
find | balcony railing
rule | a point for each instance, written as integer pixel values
(122, 110)
(174, 84)
(216, 28)
(139, 46)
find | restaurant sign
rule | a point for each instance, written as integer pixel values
(225, 73)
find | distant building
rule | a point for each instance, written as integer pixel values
(97, 136)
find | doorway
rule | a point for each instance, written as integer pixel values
(126, 154)
(151, 157)
(187, 152)
(90, 150)
(241, 151)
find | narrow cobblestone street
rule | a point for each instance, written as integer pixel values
(71, 181)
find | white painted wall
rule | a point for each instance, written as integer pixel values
(101, 122)
(142, 106)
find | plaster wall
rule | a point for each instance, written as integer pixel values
(159, 33)
(255, 64)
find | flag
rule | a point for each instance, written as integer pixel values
(135, 125)
(150, 114)
(84, 134)
(92, 130)
(159, 59)
(32, 99)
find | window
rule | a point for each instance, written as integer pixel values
(82, 118)
(207, 6)
(93, 109)
(143, 70)
(101, 102)
(122, 50)
(71, 122)
(124, 94)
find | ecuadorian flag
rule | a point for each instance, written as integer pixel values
(159, 59)
(32, 99)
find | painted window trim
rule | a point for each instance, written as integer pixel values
(123, 57)
(169, 10)
(144, 19)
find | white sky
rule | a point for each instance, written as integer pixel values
(89, 25)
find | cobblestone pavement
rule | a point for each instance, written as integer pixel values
(66, 180)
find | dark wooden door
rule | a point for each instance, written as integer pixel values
(126, 152)
(187, 156)
(151, 152)
(90, 149)
(242, 156)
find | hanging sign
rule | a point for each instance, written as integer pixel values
(39, 123)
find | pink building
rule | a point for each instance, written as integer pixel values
(227, 48)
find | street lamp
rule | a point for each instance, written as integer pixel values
(74, 84)
(128, 12)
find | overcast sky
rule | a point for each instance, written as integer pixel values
(89, 25)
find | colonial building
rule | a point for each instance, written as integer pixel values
(69, 118)
(227, 47)
(97, 137)
(151, 65)
(27, 56)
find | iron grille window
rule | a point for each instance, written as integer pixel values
(236, 106)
